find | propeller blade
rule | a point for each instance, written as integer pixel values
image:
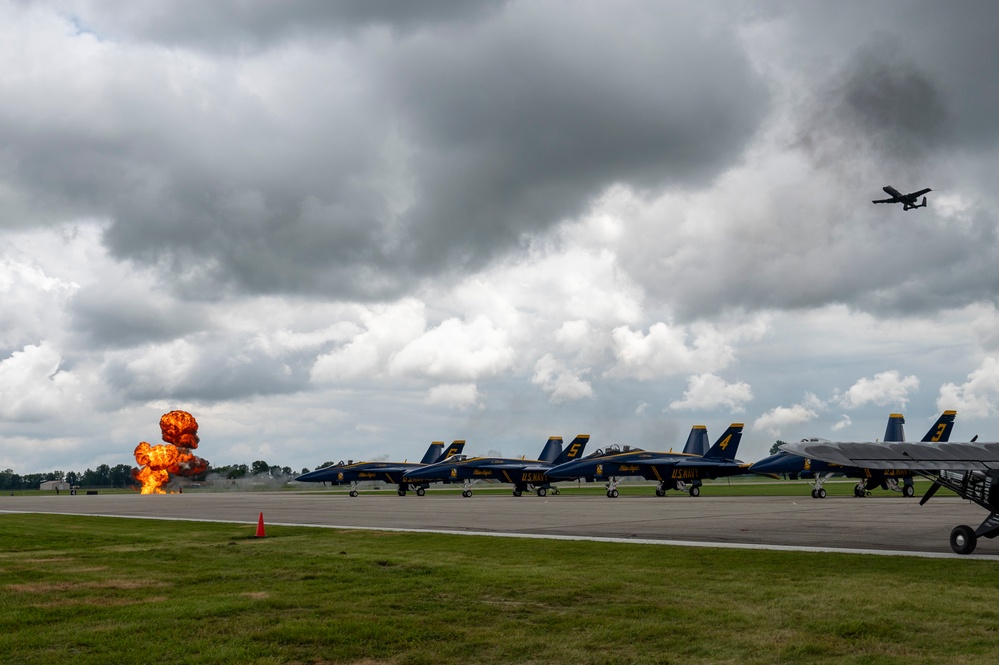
(929, 493)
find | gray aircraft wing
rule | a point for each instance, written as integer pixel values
(916, 195)
(912, 456)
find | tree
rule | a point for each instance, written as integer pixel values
(260, 467)
(776, 447)
(236, 471)
(120, 475)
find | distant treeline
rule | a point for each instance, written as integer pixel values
(120, 475)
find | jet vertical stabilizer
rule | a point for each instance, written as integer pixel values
(433, 452)
(574, 450)
(552, 449)
(940, 431)
(895, 431)
(727, 444)
(697, 441)
(454, 449)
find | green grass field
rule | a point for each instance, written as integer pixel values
(101, 590)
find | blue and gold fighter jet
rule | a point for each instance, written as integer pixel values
(674, 471)
(391, 473)
(794, 466)
(524, 475)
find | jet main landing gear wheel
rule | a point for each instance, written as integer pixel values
(420, 491)
(695, 491)
(353, 492)
(542, 491)
(466, 493)
(963, 539)
(908, 491)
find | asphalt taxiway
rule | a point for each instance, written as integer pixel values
(876, 525)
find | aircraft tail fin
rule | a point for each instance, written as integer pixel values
(726, 446)
(433, 452)
(697, 441)
(454, 449)
(574, 450)
(552, 449)
(940, 431)
(895, 430)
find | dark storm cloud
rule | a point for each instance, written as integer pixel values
(242, 25)
(114, 316)
(351, 166)
(880, 95)
(521, 125)
(897, 77)
(881, 104)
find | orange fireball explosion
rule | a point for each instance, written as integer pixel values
(158, 463)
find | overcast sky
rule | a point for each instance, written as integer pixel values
(343, 230)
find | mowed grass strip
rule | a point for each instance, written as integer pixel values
(100, 590)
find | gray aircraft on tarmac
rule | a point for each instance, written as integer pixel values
(971, 470)
(908, 201)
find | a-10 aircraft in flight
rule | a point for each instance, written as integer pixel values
(794, 466)
(524, 475)
(674, 471)
(392, 473)
(908, 201)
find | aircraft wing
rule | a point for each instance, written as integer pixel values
(702, 461)
(390, 469)
(910, 456)
(535, 469)
(510, 466)
(660, 460)
(885, 201)
(916, 195)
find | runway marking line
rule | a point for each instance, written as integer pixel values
(535, 536)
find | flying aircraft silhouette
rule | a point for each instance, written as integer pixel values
(908, 201)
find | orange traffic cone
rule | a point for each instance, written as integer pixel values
(260, 527)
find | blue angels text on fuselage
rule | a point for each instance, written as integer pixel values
(523, 474)
(794, 466)
(908, 201)
(391, 473)
(674, 471)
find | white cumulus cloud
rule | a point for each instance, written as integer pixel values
(33, 387)
(786, 416)
(708, 391)
(454, 395)
(456, 350)
(561, 383)
(883, 389)
(978, 397)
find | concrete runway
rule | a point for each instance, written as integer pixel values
(879, 525)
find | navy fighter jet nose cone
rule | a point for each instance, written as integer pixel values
(425, 473)
(778, 463)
